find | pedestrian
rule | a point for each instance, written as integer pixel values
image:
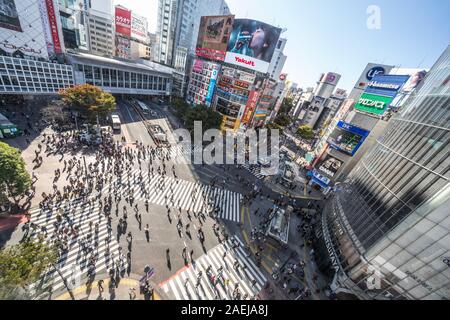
(100, 287)
(132, 293)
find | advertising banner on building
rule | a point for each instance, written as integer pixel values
(331, 78)
(123, 47)
(197, 66)
(373, 104)
(252, 44)
(213, 35)
(347, 138)
(329, 166)
(212, 83)
(370, 71)
(139, 27)
(386, 85)
(53, 26)
(123, 21)
(250, 108)
(9, 18)
(414, 81)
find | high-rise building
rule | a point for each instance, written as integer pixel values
(278, 60)
(385, 232)
(31, 39)
(177, 30)
(325, 87)
(74, 21)
(101, 28)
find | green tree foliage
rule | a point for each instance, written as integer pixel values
(282, 119)
(210, 118)
(305, 132)
(14, 178)
(22, 265)
(89, 100)
(286, 106)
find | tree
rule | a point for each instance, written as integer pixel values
(22, 265)
(286, 106)
(89, 100)
(210, 118)
(14, 178)
(305, 132)
(282, 119)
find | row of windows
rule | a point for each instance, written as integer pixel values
(122, 79)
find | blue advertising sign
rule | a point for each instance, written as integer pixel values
(378, 70)
(347, 138)
(212, 84)
(386, 85)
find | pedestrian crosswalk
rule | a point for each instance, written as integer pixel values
(177, 193)
(74, 264)
(254, 169)
(218, 285)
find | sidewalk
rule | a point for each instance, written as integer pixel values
(274, 257)
(111, 292)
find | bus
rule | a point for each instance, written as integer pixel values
(7, 128)
(143, 107)
(115, 122)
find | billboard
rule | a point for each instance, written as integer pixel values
(414, 81)
(139, 27)
(9, 18)
(373, 104)
(386, 85)
(252, 44)
(251, 105)
(329, 166)
(347, 138)
(123, 47)
(213, 35)
(370, 71)
(212, 83)
(123, 21)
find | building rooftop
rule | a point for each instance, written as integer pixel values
(142, 65)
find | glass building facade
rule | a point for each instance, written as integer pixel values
(386, 231)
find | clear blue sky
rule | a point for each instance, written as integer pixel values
(332, 35)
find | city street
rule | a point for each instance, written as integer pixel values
(152, 188)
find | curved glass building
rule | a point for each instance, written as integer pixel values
(386, 230)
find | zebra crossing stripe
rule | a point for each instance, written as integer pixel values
(208, 289)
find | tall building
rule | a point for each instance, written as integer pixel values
(101, 28)
(385, 232)
(178, 25)
(278, 60)
(177, 30)
(31, 40)
(74, 21)
(325, 87)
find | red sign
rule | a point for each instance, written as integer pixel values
(283, 76)
(251, 105)
(241, 84)
(123, 21)
(244, 61)
(53, 26)
(210, 54)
